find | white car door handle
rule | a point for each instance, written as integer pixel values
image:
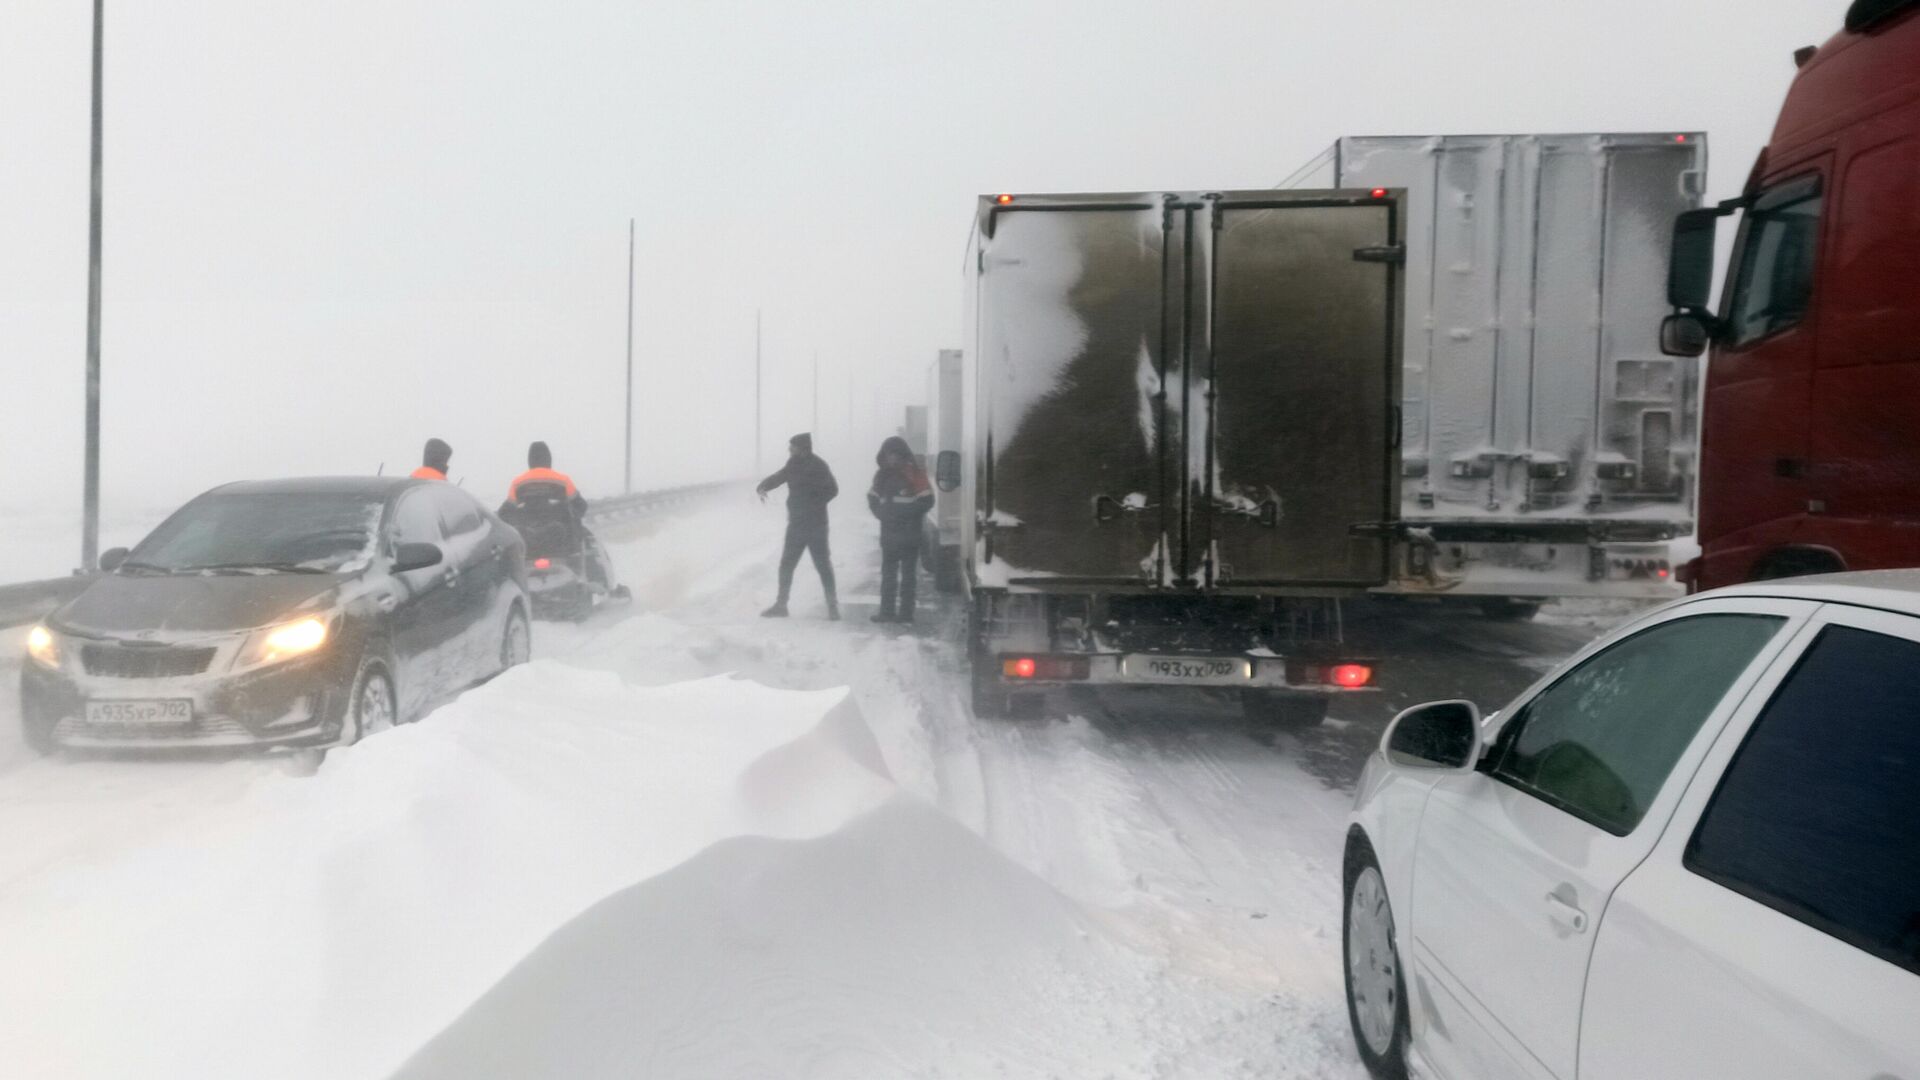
(1566, 913)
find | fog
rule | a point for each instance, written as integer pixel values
(333, 230)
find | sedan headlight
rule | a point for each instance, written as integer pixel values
(284, 642)
(43, 647)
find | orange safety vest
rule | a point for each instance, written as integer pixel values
(428, 472)
(540, 476)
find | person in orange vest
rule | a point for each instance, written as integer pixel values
(433, 463)
(540, 472)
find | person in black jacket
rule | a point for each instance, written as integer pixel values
(900, 498)
(810, 487)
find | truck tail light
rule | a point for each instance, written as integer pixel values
(542, 564)
(1351, 676)
(1344, 675)
(1045, 668)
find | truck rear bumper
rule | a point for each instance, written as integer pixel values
(1244, 672)
(1535, 570)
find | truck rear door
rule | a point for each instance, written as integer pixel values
(1301, 380)
(1189, 390)
(1071, 327)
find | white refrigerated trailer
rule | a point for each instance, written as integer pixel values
(1548, 448)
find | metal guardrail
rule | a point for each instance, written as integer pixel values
(31, 600)
(646, 503)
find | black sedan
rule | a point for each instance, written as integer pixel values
(298, 613)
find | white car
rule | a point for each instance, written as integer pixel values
(1692, 851)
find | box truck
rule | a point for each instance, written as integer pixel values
(946, 435)
(1183, 440)
(1548, 445)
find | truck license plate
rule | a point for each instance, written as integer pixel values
(1197, 670)
(140, 713)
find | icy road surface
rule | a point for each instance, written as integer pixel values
(688, 842)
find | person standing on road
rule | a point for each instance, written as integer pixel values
(900, 497)
(810, 487)
(433, 462)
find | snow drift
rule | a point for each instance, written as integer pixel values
(327, 926)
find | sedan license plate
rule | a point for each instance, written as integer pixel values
(1190, 670)
(169, 713)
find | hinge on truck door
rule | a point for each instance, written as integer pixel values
(1391, 254)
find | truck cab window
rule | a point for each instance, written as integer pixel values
(1773, 278)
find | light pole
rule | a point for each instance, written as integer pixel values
(629, 459)
(90, 486)
(756, 391)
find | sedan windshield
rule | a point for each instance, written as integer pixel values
(262, 533)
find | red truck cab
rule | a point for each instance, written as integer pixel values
(1810, 438)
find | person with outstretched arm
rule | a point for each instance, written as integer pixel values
(810, 487)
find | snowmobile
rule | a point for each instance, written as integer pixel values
(564, 579)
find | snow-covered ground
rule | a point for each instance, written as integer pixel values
(687, 842)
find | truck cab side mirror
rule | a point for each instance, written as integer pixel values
(946, 470)
(1690, 273)
(1685, 334)
(1437, 735)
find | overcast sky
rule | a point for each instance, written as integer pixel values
(333, 229)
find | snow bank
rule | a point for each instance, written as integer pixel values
(887, 948)
(327, 926)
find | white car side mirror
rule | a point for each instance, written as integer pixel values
(1438, 735)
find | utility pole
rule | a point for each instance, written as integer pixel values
(90, 487)
(629, 480)
(756, 391)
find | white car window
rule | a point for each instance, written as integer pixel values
(1818, 816)
(1600, 742)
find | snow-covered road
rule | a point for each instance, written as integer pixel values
(691, 842)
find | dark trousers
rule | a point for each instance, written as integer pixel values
(899, 574)
(811, 538)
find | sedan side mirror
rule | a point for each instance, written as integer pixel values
(946, 470)
(415, 557)
(111, 558)
(1685, 334)
(1437, 735)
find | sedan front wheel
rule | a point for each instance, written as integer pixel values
(1376, 988)
(371, 709)
(516, 647)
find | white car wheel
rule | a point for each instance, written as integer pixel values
(1376, 989)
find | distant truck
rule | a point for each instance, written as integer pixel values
(1811, 454)
(946, 428)
(1183, 441)
(1547, 443)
